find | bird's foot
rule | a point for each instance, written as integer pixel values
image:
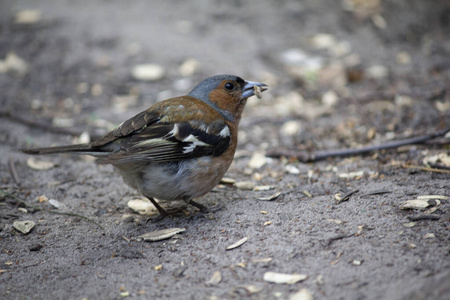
(205, 209)
(163, 212)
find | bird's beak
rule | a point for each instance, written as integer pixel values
(253, 88)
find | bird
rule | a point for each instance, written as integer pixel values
(179, 148)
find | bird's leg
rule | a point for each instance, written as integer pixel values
(203, 208)
(162, 212)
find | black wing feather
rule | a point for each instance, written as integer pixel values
(164, 142)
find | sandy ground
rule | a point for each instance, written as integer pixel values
(342, 74)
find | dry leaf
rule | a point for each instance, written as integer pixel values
(429, 236)
(57, 204)
(215, 279)
(24, 226)
(251, 289)
(419, 204)
(303, 294)
(14, 63)
(160, 234)
(142, 207)
(237, 244)
(40, 165)
(270, 198)
(284, 278)
(440, 159)
(428, 197)
(351, 175)
(260, 188)
(307, 194)
(262, 260)
(335, 221)
(245, 185)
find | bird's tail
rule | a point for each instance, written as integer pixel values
(75, 149)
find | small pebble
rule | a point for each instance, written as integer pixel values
(257, 161)
(189, 67)
(292, 170)
(148, 72)
(245, 185)
(28, 17)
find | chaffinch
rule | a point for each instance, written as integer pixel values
(179, 148)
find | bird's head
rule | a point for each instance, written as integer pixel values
(227, 94)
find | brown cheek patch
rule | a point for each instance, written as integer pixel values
(223, 100)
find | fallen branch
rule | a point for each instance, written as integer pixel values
(306, 156)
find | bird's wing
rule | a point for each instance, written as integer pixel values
(130, 126)
(165, 142)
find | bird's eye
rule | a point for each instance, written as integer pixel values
(229, 86)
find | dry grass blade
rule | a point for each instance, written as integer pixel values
(237, 244)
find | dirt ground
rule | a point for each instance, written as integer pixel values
(341, 74)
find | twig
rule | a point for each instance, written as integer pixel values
(12, 168)
(75, 215)
(427, 169)
(305, 156)
(379, 192)
(36, 208)
(44, 126)
(339, 237)
(346, 197)
(424, 217)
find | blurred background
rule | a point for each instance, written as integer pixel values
(341, 74)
